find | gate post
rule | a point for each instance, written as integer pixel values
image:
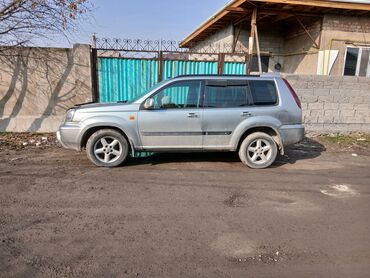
(94, 75)
(247, 64)
(160, 66)
(221, 63)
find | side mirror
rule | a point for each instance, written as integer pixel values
(149, 104)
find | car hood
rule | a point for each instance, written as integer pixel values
(105, 107)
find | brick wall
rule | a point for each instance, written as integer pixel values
(334, 104)
(346, 23)
(220, 38)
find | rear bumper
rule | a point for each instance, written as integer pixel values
(291, 134)
(68, 135)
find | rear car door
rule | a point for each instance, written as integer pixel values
(228, 103)
(225, 105)
(175, 122)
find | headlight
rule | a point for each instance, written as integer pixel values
(70, 114)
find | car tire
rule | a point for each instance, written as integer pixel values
(107, 148)
(258, 150)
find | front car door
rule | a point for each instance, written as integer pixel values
(175, 121)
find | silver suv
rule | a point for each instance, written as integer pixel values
(256, 116)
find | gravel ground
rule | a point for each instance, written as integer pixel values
(184, 215)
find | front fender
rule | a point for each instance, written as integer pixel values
(253, 122)
(126, 126)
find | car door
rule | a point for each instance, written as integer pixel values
(229, 103)
(225, 106)
(175, 120)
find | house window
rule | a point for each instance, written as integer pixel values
(357, 62)
(264, 63)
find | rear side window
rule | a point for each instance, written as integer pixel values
(263, 92)
(226, 96)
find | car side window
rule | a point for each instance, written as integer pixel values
(180, 95)
(263, 92)
(226, 96)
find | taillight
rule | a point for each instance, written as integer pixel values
(294, 94)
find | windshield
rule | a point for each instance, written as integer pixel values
(147, 91)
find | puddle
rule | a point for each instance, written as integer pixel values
(339, 191)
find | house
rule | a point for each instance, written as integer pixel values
(292, 36)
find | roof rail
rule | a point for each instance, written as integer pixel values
(216, 75)
(271, 74)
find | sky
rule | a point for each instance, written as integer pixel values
(143, 19)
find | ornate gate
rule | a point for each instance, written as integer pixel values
(124, 69)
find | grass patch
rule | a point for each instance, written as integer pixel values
(352, 140)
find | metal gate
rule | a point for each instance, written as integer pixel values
(125, 69)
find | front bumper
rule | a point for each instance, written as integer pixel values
(291, 134)
(69, 136)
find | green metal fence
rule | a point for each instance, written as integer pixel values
(123, 79)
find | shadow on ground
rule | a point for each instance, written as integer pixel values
(307, 149)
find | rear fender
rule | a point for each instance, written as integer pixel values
(257, 122)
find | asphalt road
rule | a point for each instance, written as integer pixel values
(184, 215)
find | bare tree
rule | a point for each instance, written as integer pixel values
(22, 21)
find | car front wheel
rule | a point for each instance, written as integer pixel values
(107, 148)
(258, 150)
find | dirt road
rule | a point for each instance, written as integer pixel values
(193, 215)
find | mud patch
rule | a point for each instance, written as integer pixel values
(233, 246)
(340, 191)
(284, 202)
(312, 165)
(272, 255)
(263, 255)
(235, 200)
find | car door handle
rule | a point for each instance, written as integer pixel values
(246, 114)
(193, 115)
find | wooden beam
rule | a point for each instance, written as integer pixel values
(236, 9)
(236, 39)
(278, 12)
(211, 21)
(308, 33)
(254, 37)
(321, 3)
(280, 18)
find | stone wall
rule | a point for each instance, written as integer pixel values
(37, 85)
(334, 104)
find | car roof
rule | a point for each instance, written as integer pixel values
(224, 76)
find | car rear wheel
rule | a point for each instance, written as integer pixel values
(107, 148)
(258, 150)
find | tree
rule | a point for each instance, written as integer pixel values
(23, 21)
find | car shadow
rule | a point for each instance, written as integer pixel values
(307, 149)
